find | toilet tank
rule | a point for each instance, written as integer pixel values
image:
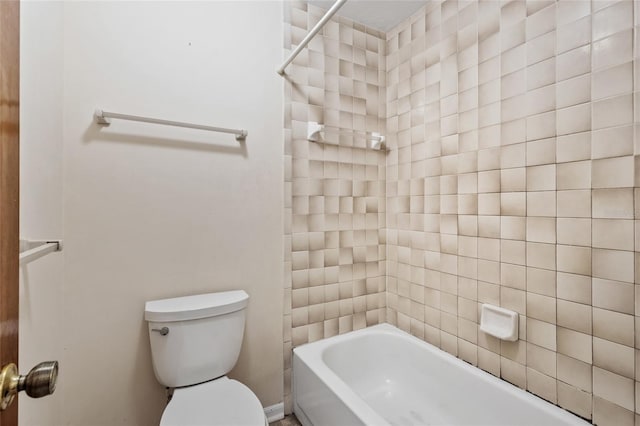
(195, 338)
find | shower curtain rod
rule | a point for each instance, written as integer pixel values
(337, 5)
(103, 117)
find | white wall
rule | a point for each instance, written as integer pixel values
(153, 212)
(41, 197)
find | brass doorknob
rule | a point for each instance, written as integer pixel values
(39, 382)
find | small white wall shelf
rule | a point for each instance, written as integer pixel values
(499, 322)
(32, 250)
(375, 140)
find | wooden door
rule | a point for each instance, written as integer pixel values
(9, 189)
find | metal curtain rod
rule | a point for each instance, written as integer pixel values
(103, 117)
(336, 6)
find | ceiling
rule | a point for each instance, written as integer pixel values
(382, 15)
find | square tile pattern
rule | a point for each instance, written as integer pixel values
(512, 178)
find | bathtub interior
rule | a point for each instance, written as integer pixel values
(409, 382)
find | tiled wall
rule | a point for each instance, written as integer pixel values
(510, 181)
(334, 191)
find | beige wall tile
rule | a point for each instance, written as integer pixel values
(613, 295)
(575, 119)
(575, 175)
(541, 333)
(573, 147)
(613, 326)
(574, 259)
(513, 372)
(512, 252)
(573, 34)
(575, 344)
(573, 63)
(613, 264)
(543, 125)
(574, 91)
(489, 271)
(489, 248)
(612, 142)
(489, 226)
(613, 81)
(513, 299)
(489, 361)
(541, 307)
(541, 281)
(489, 181)
(613, 50)
(575, 232)
(575, 203)
(574, 316)
(576, 288)
(541, 229)
(606, 412)
(612, 112)
(513, 203)
(540, 255)
(574, 400)
(541, 203)
(574, 372)
(613, 234)
(541, 151)
(512, 180)
(489, 204)
(614, 388)
(612, 19)
(613, 172)
(613, 203)
(541, 178)
(513, 228)
(614, 357)
(542, 385)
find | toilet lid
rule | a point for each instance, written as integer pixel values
(219, 402)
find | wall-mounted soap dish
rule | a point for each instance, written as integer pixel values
(499, 322)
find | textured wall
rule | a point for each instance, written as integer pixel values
(511, 182)
(41, 205)
(154, 211)
(334, 192)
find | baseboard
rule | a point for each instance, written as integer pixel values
(274, 412)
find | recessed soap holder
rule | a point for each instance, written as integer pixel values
(499, 322)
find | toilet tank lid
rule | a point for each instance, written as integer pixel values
(195, 307)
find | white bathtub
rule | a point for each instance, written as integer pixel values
(384, 376)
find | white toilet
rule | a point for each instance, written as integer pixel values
(195, 342)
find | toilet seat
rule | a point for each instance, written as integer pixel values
(223, 402)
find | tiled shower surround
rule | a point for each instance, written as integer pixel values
(334, 192)
(510, 179)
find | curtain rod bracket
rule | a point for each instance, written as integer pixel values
(100, 118)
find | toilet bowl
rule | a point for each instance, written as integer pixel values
(219, 402)
(195, 342)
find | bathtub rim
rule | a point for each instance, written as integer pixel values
(335, 384)
(311, 355)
